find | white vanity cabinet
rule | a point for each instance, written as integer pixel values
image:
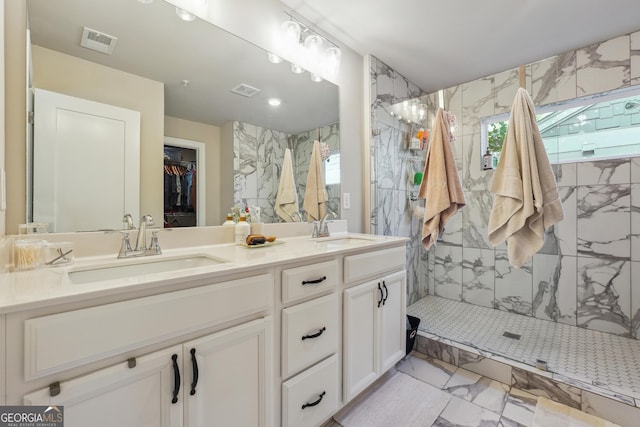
(223, 379)
(374, 322)
(310, 342)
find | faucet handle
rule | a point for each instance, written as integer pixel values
(125, 247)
(155, 244)
(128, 222)
(147, 219)
(316, 229)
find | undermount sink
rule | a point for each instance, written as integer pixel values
(344, 240)
(141, 267)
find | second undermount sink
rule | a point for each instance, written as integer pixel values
(141, 267)
(344, 240)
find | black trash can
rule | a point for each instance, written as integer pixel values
(412, 331)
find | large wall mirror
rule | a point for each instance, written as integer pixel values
(180, 77)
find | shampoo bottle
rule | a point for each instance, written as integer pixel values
(242, 231)
(229, 220)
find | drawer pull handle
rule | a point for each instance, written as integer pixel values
(194, 363)
(176, 378)
(321, 396)
(316, 335)
(384, 285)
(314, 282)
(381, 295)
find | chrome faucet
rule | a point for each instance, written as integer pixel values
(141, 248)
(321, 228)
(141, 241)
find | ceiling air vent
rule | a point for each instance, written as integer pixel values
(245, 90)
(95, 40)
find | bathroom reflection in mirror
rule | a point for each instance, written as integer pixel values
(155, 54)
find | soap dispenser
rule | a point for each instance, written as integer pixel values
(487, 161)
(242, 230)
(229, 220)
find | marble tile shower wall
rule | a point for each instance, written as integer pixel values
(588, 272)
(258, 154)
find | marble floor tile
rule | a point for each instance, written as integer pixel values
(482, 391)
(460, 413)
(519, 409)
(431, 371)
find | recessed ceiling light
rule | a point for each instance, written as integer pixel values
(315, 78)
(297, 69)
(274, 102)
(186, 83)
(146, 1)
(273, 58)
(184, 15)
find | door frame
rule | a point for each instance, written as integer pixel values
(201, 205)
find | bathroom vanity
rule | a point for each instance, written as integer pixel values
(281, 335)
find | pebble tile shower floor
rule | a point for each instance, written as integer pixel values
(594, 357)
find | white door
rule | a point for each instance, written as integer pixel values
(86, 163)
(234, 373)
(392, 321)
(140, 396)
(360, 337)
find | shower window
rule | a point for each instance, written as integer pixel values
(596, 127)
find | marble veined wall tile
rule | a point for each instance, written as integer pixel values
(268, 144)
(539, 385)
(543, 81)
(385, 211)
(478, 102)
(473, 177)
(635, 224)
(554, 288)
(475, 217)
(513, 286)
(609, 409)
(448, 272)
(635, 299)
(453, 102)
(413, 274)
(604, 295)
(603, 66)
(478, 276)
(635, 57)
(566, 69)
(267, 180)
(614, 171)
(566, 230)
(566, 174)
(452, 234)
(604, 221)
(385, 156)
(506, 85)
(635, 170)
(384, 78)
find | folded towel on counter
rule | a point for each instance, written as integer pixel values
(526, 200)
(286, 206)
(315, 194)
(440, 186)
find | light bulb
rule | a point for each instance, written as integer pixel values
(273, 58)
(297, 69)
(333, 55)
(315, 78)
(184, 15)
(291, 33)
(274, 102)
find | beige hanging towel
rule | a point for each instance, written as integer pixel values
(440, 183)
(315, 194)
(526, 200)
(287, 198)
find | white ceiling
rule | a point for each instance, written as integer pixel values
(440, 44)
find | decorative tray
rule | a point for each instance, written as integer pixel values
(261, 245)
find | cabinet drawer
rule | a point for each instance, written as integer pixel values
(61, 341)
(362, 266)
(309, 280)
(310, 333)
(312, 396)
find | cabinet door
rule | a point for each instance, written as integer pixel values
(234, 374)
(139, 396)
(392, 323)
(360, 337)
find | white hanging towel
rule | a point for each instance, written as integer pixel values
(526, 200)
(287, 198)
(315, 194)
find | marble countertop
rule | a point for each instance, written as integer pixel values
(44, 287)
